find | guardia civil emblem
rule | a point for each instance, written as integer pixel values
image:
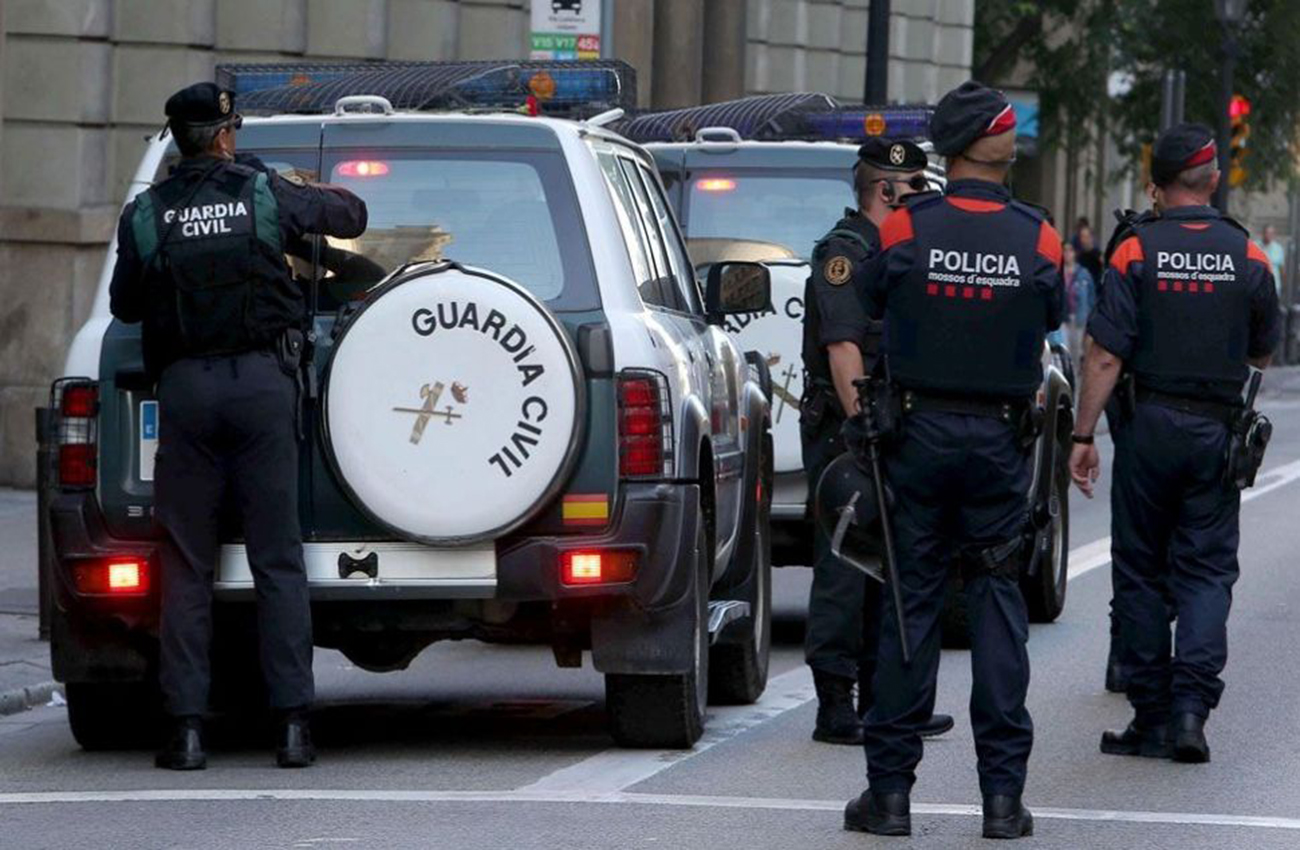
(431, 394)
(223, 103)
(897, 154)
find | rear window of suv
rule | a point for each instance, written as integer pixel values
(514, 213)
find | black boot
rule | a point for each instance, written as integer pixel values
(1150, 742)
(1189, 744)
(879, 814)
(184, 748)
(295, 748)
(936, 725)
(837, 722)
(1006, 817)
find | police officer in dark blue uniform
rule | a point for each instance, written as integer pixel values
(839, 344)
(968, 284)
(201, 262)
(1187, 306)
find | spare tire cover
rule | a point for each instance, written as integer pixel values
(452, 404)
(778, 336)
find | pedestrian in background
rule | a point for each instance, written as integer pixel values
(1088, 252)
(1276, 255)
(1081, 295)
(222, 337)
(1188, 305)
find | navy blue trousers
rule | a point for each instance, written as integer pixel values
(843, 628)
(960, 484)
(1174, 543)
(226, 435)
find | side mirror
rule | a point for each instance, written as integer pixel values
(736, 288)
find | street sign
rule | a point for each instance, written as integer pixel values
(565, 29)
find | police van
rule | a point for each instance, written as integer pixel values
(523, 420)
(763, 179)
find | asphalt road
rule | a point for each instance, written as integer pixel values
(478, 746)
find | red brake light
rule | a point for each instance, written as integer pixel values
(715, 184)
(77, 465)
(644, 425)
(79, 400)
(113, 577)
(361, 168)
(611, 566)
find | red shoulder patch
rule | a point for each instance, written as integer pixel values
(1049, 243)
(1256, 253)
(1129, 251)
(897, 228)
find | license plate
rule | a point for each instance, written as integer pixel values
(148, 438)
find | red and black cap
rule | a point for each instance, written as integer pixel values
(967, 114)
(891, 155)
(201, 105)
(1179, 148)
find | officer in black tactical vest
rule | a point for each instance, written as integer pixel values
(201, 263)
(1188, 305)
(968, 284)
(839, 343)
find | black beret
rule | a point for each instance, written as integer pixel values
(1179, 148)
(201, 104)
(890, 155)
(968, 113)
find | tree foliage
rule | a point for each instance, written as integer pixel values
(1069, 49)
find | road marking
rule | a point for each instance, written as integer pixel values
(220, 795)
(1096, 554)
(614, 770)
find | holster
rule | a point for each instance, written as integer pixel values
(815, 405)
(1247, 442)
(1029, 426)
(1001, 561)
(1126, 397)
(290, 350)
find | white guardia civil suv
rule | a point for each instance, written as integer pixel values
(524, 421)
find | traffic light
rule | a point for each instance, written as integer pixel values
(1238, 114)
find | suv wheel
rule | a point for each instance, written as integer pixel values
(667, 711)
(1045, 592)
(738, 661)
(113, 715)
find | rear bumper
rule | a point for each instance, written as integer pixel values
(658, 521)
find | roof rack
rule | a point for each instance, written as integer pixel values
(808, 116)
(563, 89)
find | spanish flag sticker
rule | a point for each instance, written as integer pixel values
(586, 509)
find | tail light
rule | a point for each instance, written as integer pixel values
(76, 401)
(112, 577)
(645, 426)
(604, 566)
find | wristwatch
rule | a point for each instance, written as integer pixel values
(1082, 439)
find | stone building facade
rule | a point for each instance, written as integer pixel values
(82, 82)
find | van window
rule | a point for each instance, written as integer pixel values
(513, 213)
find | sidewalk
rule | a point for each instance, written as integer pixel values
(25, 679)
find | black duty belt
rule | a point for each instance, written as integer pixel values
(1219, 411)
(1007, 410)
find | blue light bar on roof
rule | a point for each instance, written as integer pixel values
(557, 87)
(859, 123)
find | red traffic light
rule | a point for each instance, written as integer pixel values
(1238, 107)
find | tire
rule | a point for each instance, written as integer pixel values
(114, 715)
(738, 661)
(1045, 592)
(667, 711)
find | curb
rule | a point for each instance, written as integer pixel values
(31, 696)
